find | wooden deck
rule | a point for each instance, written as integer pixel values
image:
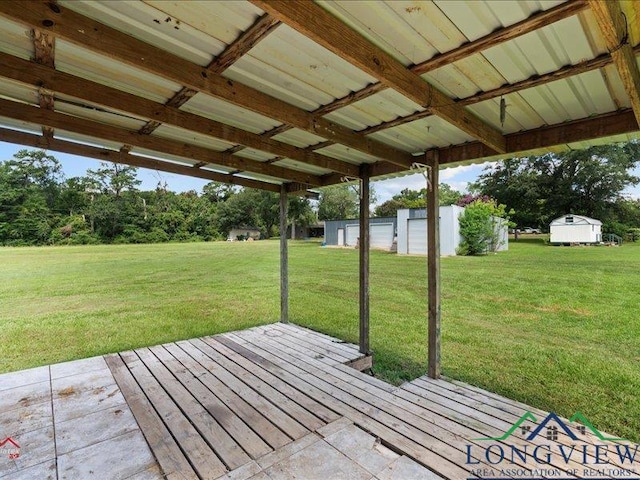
(280, 402)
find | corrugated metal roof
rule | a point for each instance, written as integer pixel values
(225, 112)
(292, 68)
(101, 69)
(15, 39)
(289, 66)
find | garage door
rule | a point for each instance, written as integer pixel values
(353, 232)
(381, 235)
(417, 236)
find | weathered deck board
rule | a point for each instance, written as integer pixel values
(253, 404)
(369, 417)
(200, 454)
(164, 447)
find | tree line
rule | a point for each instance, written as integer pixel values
(39, 206)
(588, 182)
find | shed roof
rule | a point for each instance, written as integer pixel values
(262, 93)
(577, 220)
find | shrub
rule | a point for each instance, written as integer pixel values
(479, 226)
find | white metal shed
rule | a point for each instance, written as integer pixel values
(575, 229)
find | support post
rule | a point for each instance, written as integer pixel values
(284, 257)
(433, 263)
(364, 258)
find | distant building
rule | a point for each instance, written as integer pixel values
(243, 233)
(407, 232)
(575, 229)
(382, 231)
(298, 232)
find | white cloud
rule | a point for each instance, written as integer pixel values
(449, 173)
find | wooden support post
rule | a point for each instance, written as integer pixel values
(364, 259)
(433, 264)
(284, 257)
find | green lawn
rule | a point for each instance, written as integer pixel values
(557, 328)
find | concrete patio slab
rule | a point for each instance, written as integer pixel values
(116, 458)
(24, 377)
(318, 461)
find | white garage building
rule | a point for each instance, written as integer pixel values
(408, 228)
(575, 229)
(412, 231)
(382, 232)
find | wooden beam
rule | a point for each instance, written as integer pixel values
(433, 264)
(536, 80)
(91, 34)
(284, 257)
(39, 75)
(37, 141)
(262, 27)
(248, 39)
(323, 28)
(605, 125)
(502, 35)
(27, 113)
(44, 53)
(364, 259)
(615, 30)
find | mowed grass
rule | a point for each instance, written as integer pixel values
(554, 327)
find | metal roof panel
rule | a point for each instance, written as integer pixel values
(225, 112)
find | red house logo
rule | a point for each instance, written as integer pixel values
(10, 447)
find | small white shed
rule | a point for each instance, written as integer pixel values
(575, 229)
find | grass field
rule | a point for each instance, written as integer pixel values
(557, 328)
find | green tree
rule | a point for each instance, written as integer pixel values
(218, 192)
(479, 226)
(29, 190)
(587, 182)
(116, 207)
(338, 202)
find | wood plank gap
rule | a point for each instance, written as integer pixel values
(367, 418)
(166, 450)
(402, 421)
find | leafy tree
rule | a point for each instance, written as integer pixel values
(587, 182)
(117, 205)
(218, 192)
(28, 194)
(479, 226)
(338, 202)
(115, 178)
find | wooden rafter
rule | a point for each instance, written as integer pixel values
(502, 35)
(23, 112)
(44, 54)
(536, 80)
(76, 28)
(37, 141)
(516, 30)
(323, 28)
(615, 30)
(605, 125)
(61, 82)
(262, 27)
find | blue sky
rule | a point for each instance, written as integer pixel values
(457, 177)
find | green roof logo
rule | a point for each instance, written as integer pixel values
(552, 423)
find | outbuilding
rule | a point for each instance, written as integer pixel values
(412, 231)
(243, 233)
(345, 233)
(408, 231)
(575, 229)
